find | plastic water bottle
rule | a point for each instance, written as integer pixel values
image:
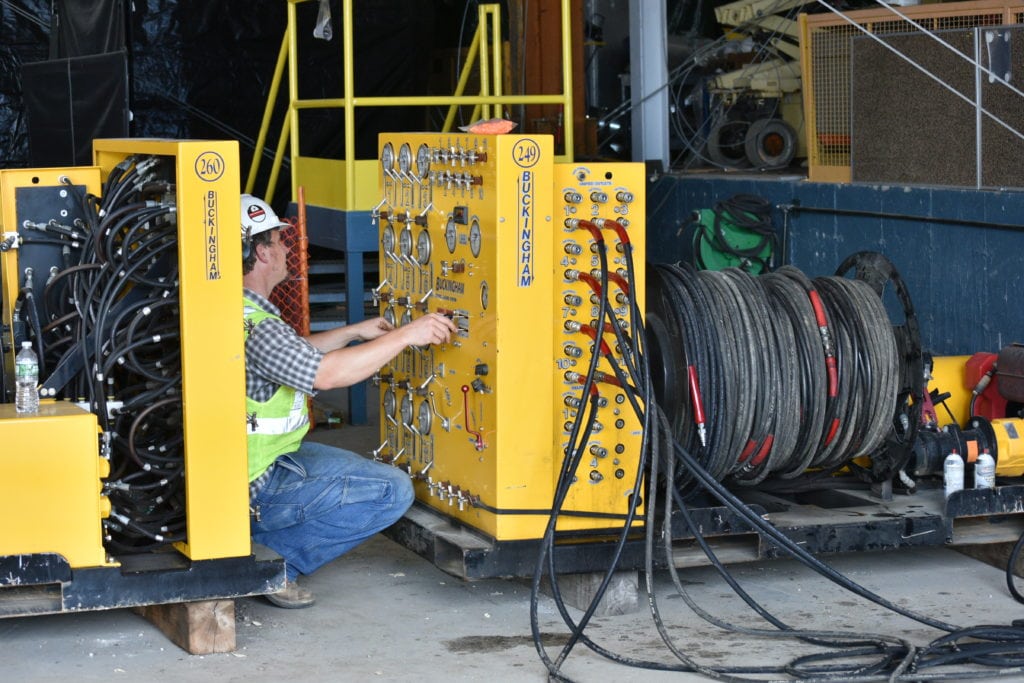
(26, 370)
(985, 471)
(953, 473)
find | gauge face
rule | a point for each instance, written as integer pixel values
(424, 418)
(407, 316)
(389, 315)
(387, 157)
(485, 295)
(405, 242)
(451, 235)
(475, 238)
(405, 158)
(387, 239)
(407, 410)
(423, 248)
(423, 161)
(389, 402)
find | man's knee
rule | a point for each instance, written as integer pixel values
(404, 494)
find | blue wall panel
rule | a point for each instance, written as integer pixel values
(966, 280)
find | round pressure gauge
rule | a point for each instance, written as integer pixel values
(424, 418)
(389, 315)
(387, 239)
(407, 409)
(389, 402)
(485, 295)
(450, 235)
(423, 161)
(405, 242)
(475, 238)
(387, 157)
(405, 157)
(423, 248)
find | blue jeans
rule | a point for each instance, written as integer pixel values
(322, 501)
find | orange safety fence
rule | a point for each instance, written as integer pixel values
(292, 295)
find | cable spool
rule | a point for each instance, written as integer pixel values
(881, 276)
(111, 334)
(791, 373)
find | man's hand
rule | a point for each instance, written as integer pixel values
(432, 328)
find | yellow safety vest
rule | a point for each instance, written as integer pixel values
(275, 426)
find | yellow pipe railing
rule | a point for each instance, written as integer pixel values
(460, 87)
(268, 111)
(491, 94)
(499, 63)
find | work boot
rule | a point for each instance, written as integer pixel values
(292, 596)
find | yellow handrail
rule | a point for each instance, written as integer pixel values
(460, 88)
(268, 111)
(491, 94)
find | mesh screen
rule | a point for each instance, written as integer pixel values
(292, 295)
(830, 49)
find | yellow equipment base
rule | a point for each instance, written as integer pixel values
(50, 480)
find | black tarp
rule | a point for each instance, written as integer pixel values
(87, 28)
(70, 102)
(202, 68)
(24, 37)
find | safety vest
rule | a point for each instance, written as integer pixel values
(275, 426)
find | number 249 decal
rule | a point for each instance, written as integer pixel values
(526, 153)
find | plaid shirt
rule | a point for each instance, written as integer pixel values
(276, 355)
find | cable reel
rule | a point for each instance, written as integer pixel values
(736, 233)
(881, 275)
(773, 375)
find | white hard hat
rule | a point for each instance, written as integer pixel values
(257, 217)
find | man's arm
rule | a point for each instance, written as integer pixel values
(340, 337)
(346, 366)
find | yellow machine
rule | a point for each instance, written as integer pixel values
(474, 226)
(152, 231)
(56, 451)
(206, 179)
(979, 389)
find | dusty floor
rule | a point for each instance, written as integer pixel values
(383, 613)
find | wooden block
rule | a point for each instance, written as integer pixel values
(199, 628)
(622, 595)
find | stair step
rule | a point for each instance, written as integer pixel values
(337, 267)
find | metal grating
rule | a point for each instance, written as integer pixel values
(825, 50)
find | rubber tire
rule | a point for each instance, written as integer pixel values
(770, 143)
(724, 146)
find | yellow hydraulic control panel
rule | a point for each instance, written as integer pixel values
(473, 226)
(597, 201)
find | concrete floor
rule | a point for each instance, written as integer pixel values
(384, 613)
